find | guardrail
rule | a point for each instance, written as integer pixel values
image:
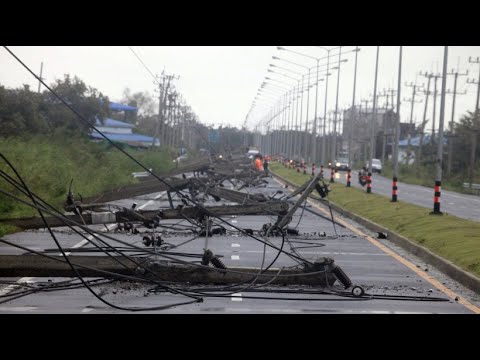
(475, 188)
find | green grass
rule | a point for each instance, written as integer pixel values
(455, 239)
(48, 164)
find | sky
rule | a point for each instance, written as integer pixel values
(220, 82)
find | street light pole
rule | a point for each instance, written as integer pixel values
(374, 120)
(324, 137)
(397, 130)
(476, 61)
(352, 118)
(334, 142)
(438, 180)
(314, 129)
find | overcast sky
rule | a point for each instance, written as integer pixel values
(220, 82)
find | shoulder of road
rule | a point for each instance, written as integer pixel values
(447, 242)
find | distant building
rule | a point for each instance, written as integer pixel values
(122, 132)
(384, 127)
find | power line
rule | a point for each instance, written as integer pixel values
(146, 67)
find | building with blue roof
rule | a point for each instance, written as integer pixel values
(121, 132)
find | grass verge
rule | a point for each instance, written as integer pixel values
(47, 164)
(448, 236)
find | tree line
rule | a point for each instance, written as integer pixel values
(24, 112)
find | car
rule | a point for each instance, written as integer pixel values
(251, 153)
(376, 166)
(181, 158)
(341, 164)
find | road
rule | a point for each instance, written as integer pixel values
(376, 265)
(461, 205)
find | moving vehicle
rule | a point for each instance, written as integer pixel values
(251, 153)
(341, 164)
(376, 166)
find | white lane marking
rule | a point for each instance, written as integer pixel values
(235, 245)
(111, 226)
(86, 310)
(85, 241)
(151, 201)
(18, 308)
(237, 297)
(12, 287)
(235, 257)
(234, 221)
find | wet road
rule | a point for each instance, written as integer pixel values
(363, 260)
(461, 205)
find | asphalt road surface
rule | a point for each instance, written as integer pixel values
(461, 205)
(376, 265)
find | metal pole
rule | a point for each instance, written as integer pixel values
(438, 178)
(412, 101)
(40, 78)
(450, 140)
(308, 106)
(307, 138)
(434, 109)
(295, 134)
(289, 124)
(324, 137)
(303, 149)
(397, 130)
(374, 120)
(314, 130)
(476, 61)
(334, 142)
(352, 117)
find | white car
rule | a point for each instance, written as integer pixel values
(251, 153)
(181, 158)
(376, 165)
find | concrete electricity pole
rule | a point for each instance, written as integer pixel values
(162, 107)
(456, 74)
(438, 178)
(412, 101)
(475, 61)
(435, 94)
(397, 130)
(40, 77)
(424, 121)
(374, 119)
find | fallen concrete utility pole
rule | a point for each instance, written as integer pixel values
(235, 196)
(142, 188)
(55, 266)
(277, 208)
(288, 217)
(154, 185)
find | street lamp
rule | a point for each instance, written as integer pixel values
(397, 129)
(326, 97)
(292, 141)
(374, 120)
(286, 117)
(308, 95)
(352, 117)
